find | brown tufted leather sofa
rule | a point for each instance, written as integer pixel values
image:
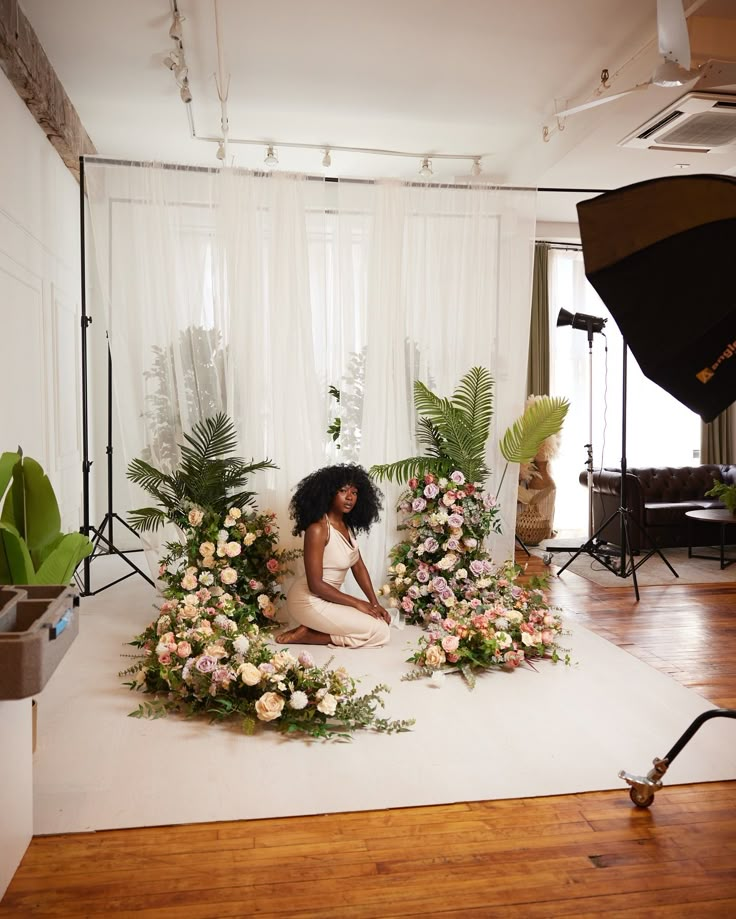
(658, 499)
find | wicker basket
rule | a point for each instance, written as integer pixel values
(534, 521)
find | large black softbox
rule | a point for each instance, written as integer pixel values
(661, 255)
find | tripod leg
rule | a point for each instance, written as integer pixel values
(589, 546)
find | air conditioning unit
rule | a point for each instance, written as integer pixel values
(701, 121)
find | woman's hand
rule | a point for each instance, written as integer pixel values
(378, 612)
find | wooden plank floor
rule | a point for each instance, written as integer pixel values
(576, 855)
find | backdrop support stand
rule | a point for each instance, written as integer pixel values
(101, 544)
(626, 565)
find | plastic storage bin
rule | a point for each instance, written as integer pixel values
(37, 626)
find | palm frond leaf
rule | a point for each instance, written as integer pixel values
(147, 519)
(403, 470)
(429, 437)
(542, 419)
(474, 397)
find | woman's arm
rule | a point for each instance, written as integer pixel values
(315, 540)
(360, 573)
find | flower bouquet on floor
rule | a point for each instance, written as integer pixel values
(495, 623)
(202, 656)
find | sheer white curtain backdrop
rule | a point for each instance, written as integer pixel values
(253, 294)
(660, 430)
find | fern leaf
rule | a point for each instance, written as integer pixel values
(147, 519)
(429, 437)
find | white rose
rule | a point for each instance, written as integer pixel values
(207, 578)
(400, 569)
(195, 516)
(529, 640)
(223, 536)
(229, 522)
(249, 674)
(393, 603)
(263, 601)
(298, 700)
(513, 615)
(503, 639)
(232, 549)
(327, 704)
(270, 706)
(461, 574)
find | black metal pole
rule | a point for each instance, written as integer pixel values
(110, 513)
(85, 321)
(624, 533)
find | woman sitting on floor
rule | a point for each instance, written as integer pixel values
(330, 506)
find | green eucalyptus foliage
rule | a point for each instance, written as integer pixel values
(33, 550)
(206, 478)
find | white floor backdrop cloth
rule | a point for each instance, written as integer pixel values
(252, 294)
(556, 730)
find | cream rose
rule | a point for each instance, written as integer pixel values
(249, 674)
(234, 512)
(206, 549)
(434, 656)
(249, 539)
(195, 516)
(228, 575)
(232, 549)
(327, 704)
(270, 706)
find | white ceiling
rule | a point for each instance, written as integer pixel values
(481, 77)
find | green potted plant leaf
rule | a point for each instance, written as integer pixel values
(725, 493)
(33, 550)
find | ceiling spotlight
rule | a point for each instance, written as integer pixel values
(271, 159)
(173, 60)
(426, 168)
(175, 30)
(221, 151)
(475, 168)
(327, 159)
(185, 93)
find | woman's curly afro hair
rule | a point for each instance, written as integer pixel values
(315, 493)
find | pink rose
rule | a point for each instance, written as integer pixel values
(272, 565)
(418, 504)
(450, 643)
(164, 658)
(431, 491)
(183, 649)
(428, 478)
(457, 477)
(547, 637)
(413, 483)
(452, 658)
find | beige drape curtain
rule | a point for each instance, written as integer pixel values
(716, 439)
(537, 380)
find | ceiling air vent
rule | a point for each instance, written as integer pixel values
(700, 121)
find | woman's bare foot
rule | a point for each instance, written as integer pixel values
(302, 635)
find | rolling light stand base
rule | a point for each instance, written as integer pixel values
(644, 787)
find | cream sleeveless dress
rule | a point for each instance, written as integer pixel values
(346, 626)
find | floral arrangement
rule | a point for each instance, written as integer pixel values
(201, 655)
(441, 561)
(237, 556)
(501, 624)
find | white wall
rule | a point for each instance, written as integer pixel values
(39, 358)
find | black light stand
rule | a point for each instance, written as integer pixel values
(102, 544)
(590, 324)
(626, 565)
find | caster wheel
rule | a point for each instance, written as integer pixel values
(641, 798)
(547, 558)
